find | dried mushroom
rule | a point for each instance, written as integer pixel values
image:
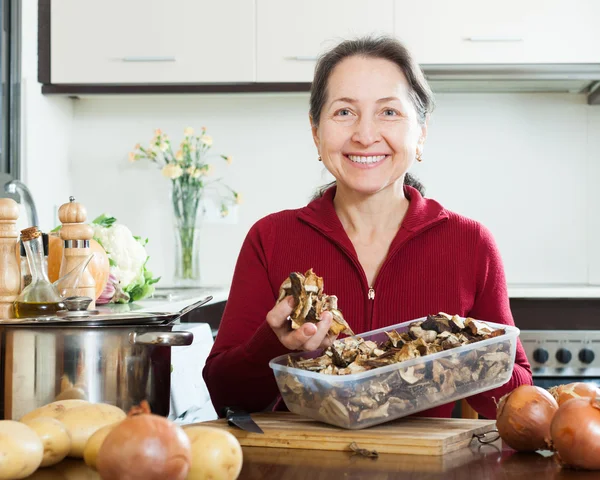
(310, 302)
(406, 389)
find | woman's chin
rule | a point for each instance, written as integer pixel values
(365, 188)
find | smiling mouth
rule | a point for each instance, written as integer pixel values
(366, 159)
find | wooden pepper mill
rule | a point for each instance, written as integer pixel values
(10, 272)
(76, 237)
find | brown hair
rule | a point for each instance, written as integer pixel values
(384, 47)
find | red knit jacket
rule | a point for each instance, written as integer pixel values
(438, 262)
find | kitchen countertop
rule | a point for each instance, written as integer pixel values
(166, 300)
(481, 462)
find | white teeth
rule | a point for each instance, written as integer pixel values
(371, 159)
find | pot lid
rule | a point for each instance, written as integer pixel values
(94, 318)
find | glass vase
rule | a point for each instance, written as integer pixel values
(187, 211)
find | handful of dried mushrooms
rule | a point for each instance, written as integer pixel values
(310, 302)
(405, 390)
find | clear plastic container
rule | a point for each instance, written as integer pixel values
(382, 394)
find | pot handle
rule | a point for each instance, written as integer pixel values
(161, 339)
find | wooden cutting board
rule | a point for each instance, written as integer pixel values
(412, 435)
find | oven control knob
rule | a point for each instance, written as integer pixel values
(563, 355)
(586, 356)
(540, 355)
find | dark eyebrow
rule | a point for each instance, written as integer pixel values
(344, 99)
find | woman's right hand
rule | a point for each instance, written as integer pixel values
(310, 336)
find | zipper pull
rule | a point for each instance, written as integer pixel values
(371, 295)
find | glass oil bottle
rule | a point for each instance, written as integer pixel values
(40, 298)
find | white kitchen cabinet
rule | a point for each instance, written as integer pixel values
(291, 34)
(152, 41)
(508, 31)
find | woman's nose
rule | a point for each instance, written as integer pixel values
(366, 132)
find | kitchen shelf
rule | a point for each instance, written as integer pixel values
(554, 291)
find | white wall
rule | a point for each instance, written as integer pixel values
(517, 162)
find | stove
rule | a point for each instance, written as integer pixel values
(562, 356)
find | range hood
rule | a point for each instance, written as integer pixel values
(565, 78)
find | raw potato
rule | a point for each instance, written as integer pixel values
(216, 454)
(90, 453)
(54, 437)
(83, 422)
(21, 451)
(53, 409)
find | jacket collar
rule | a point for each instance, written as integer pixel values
(421, 215)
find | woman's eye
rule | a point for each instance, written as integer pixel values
(390, 112)
(344, 112)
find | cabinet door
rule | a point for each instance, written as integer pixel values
(507, 31)
(152, 41)
(291, 34)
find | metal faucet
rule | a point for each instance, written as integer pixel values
(16, 187)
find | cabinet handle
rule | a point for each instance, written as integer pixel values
(148, 59)
(301, 58)
(494, 39)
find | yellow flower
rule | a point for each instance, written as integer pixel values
(194, 172)
(188, 132)
(172, 171)
(133, 157)
(229, 159)
(157, 132)
(224, 211)
(206, 140)
(238, 198)
(179, 155)
(137, 146)
(208, 170)
(164, 146)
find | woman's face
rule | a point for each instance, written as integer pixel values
(369, 134)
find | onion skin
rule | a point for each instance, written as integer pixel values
(562, 393)
(523, 418)
(145, 447)
(575, 431)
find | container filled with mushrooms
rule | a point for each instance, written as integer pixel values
(385, 374)
(378, 376)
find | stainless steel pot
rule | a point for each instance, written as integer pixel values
(117, 364)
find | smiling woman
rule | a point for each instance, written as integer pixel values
(388, 254)
(392, 55)
(370, 133)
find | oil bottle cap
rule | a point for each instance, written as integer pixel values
(44, 242)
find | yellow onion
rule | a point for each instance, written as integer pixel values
(523, 418)
(575, 432)
(562, 393)
(145, 447)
